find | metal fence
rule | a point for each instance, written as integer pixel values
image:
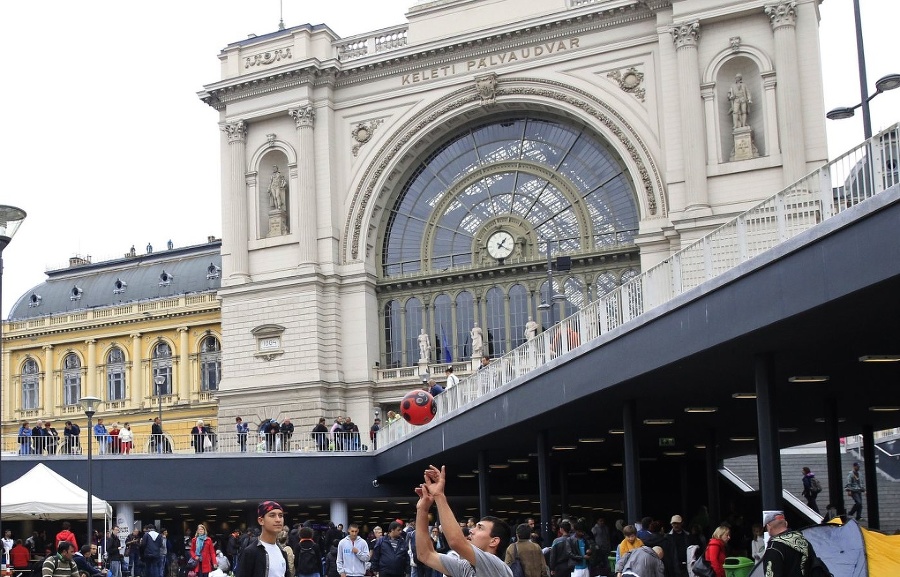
(184, 444)
(848, 180)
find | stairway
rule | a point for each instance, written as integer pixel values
(813, 456)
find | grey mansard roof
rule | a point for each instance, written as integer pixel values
(193, 269)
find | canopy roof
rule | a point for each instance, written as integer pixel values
(43, 494)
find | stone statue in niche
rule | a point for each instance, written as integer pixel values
(424, 345)
(277, 193)
(739, 97)
(477, 342)
(277, 188)
(740, 100)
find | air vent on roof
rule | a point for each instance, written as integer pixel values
(212, 271)
(76, 293)
(119, 287)
(34, 300)
(165, 279)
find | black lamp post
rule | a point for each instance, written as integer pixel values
(10, 219)
(89, 404)
(159, 381)
(885, 83)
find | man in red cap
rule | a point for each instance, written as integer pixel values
(266, 558)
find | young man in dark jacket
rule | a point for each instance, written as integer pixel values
(390, 556)
(265, 557)
(307, 555)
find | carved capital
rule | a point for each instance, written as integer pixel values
(304, 116)
(685, 35)
(783, 13)
(236, 131)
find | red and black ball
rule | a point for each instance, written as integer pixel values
(418, 407)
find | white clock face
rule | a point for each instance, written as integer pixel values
(500, 244)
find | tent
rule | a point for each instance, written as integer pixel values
(42, 493)
(852, 551)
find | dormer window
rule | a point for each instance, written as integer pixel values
(119, 286)
(165, 279)
(34, 300)
(212, 271)
(75, 294)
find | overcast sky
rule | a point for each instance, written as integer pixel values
(107, 145)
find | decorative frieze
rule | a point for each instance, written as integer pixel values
(268, 57)
(304, 116)
(236, 131)
(685, 35)
(783, 13)
(629, 81)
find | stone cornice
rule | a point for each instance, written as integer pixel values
(333, 72)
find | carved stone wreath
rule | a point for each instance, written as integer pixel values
(362, 133)
(629, 81)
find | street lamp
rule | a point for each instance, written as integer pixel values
(89, 404)
(885, 83)
(10, 219)
(160, 381)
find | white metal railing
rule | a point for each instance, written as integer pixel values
(186, 444)
(377, 42)
(853, 177)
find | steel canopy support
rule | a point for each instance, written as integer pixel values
(632, 463)
(769, 453)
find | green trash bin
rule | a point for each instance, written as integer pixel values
(738, 566)
(612, 564)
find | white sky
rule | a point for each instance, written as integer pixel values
(113, 83)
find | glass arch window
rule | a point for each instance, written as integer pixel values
(513, 157)
(606, 283)
(518, 314)
(574, 291)
(115, 375)
(210, 364)
(496, 322)
(413, 327)
(162, 367)
(443, 329)
(30, 385)
(465, 320)
(71, 379)
(393, 336)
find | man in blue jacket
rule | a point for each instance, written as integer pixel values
(389, 556)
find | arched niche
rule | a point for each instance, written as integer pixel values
(752, 80)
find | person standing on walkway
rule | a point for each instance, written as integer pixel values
(855, 489)
(811, 489)
(242, 430)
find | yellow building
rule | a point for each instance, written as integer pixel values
(133, 331)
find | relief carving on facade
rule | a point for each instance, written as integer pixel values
(362, 133)
(687, 34)
(629, 81)
(783, 13)
(236, 131)
(735, 42)
(486, 86)
(304, 116)
(268, 57)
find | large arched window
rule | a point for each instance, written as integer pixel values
(393, 337)
(115, 375)
(496, 322)
(443, 329)
(574, 291)
(549, 181)
(413, 327)
(71, 379)
(518, 314)
(210, 364)
(465, 320)
(30, 385)
(162, 367)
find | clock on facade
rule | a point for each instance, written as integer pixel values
(500, 244)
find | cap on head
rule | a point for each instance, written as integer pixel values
(676, 519)
(267, 506)
(856, 464)
(773, 516)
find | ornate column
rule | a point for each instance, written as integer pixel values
(235, 210)
(693, 137)
(136, 361)
(48, 391)
(773, 145)
(92, 368)
(305, 212)
(783, 17)
(184, 366)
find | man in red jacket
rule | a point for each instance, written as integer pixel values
(20, 556)
(66, 535)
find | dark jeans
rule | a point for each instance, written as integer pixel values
(857, 505)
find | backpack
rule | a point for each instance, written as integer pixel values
(516, 565)
(307, 561)
(815, 486)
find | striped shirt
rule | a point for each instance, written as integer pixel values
(56, 566)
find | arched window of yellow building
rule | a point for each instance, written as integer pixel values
(30, 385)
(210, 364)
(162, 367)
(115, 375)
(71, 379)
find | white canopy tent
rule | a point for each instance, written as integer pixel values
(41, 493)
